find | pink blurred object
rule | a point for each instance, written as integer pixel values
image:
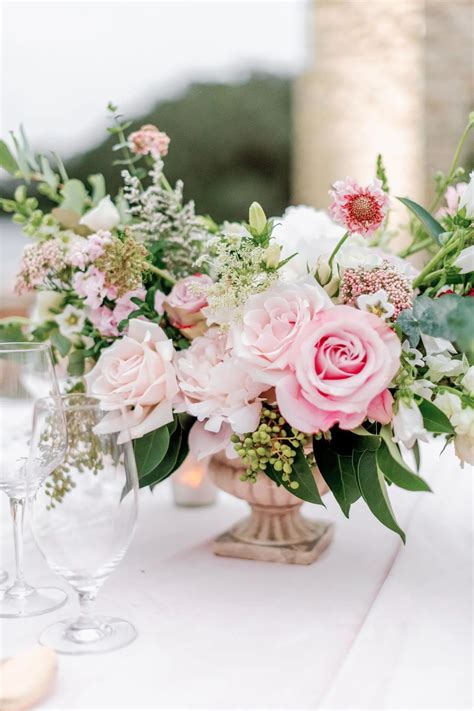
(27, 678)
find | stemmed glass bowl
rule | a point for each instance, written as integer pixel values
(83, 518)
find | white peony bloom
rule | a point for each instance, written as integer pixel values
(441, 365)
(44, 302)
(376, 303)
(467, 198)
(70, 321)
(465, 260)
(449, 403)
(468, 381)
(309, 233)
(408, 424)
(355, 253)
(104, 216)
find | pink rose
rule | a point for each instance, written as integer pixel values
(343, 362)
(272, 321)
(136, 372)
(185, 302)
(149, 140)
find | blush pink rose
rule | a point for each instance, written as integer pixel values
(272, 321)
(136, 372)
(185, 302)
(343, 362)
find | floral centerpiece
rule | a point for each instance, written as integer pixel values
(286, 344)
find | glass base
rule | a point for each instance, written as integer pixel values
(66, 638)
(3, 576)
(36, 602)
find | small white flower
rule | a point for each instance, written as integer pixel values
(415, 356)
(44, 302)
(408, 424)
(272, 255)
(449, 403)
(422, 387)
(437, 345)
(442, 365)
(104, 216)
(468, 381)
(465, 260)
(464, 448)
(467, 198)
(463, 423)
(377, 304)
(70, 321)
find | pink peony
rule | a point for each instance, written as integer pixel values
(185, 302)
(136, 372)
(216, 387)
(149, 140)
(272, 321)
(359, 209)
(343, 362)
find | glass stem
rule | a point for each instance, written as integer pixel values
(86, 609)
(17, 509)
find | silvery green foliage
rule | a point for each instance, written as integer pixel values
(169, 228)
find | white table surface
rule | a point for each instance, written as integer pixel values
(372, 625)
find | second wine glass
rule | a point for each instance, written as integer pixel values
(83, 518)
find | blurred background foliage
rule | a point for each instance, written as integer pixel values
(230, 144)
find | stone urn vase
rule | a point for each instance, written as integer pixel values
(275, 530)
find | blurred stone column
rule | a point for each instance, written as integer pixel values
(386, 76)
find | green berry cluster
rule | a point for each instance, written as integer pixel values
(274, 444)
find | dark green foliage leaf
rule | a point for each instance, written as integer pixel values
(416, 454)
(76, 362)
(302, 473)
(150, 450)
(167, 464)
(391, 464)
(7, 161)
(431, 225)
(60, 342)
(339, 474)
(433, 419)
(374, 491)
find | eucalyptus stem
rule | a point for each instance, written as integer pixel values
(163, 273)
(446, 182)
(337, 248)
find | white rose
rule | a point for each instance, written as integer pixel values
(449, 403)
(44, 302)
(442, 365)
(408, 424)
(465, 260)
(104, 216)
(467, 198)
(468, 381)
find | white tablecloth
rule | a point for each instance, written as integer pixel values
(372, 625)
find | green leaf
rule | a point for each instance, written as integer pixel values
(374, 491)
(390, 462)
(60, 342)
(410, 326)
(7, 161)
(97, 182)
(61, 168)
(74, 196)
(28, 153)
(339, 474)
(303, 474)
(434, 419)
(21, 159)
(76, 362)
(50, 178)
(431, 225)
(150, 450)
(12, 331)
(167, 464)
(449, 317)
(416, 454)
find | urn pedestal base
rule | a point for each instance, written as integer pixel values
(276, 536)
(275, 531)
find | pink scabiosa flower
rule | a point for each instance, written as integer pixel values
(149, 140)
(360, 282)
(359, 209)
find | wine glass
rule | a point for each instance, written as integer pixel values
(83, 518)
(26, 373)
(3, 576)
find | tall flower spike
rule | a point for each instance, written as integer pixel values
(359, 209)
